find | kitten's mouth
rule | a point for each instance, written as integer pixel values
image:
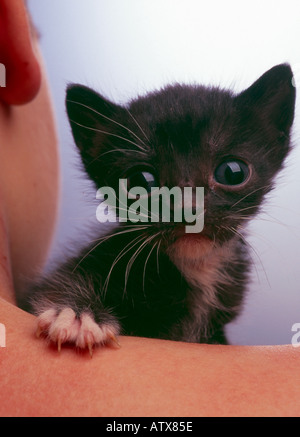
(181, 234)
(191, 246)
(195, 240)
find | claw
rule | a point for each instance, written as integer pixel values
(90, 348)
(114, 339)
(38, 331)
(65, 327)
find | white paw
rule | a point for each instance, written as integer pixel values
(64, 327)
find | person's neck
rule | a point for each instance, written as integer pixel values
(6, 281)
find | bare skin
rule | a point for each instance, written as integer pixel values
(142, 378)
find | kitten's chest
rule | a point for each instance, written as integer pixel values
(204, 267)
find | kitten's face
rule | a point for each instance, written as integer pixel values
(191, 136)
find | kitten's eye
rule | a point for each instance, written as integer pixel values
(232, 172)
(142, 179)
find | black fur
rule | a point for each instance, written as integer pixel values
(180, 134)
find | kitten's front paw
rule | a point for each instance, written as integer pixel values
(64, 327)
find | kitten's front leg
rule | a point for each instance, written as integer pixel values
(69, 310)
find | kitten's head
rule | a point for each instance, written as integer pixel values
(232, 145)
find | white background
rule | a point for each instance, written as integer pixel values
(123, 48)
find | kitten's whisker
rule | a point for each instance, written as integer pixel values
(272, 219)
(261, 237)
(109, 119)
(134, 257)
(138, 125)
(238, 217)
(236, 233)
(124, 151)
(239, 234)
(144, 272)
(105, 238)
(157, 255)
(156, 244)
(107, 133)
(246, 209)
(283, 208)
(139, 215)
(140, 152)
(275, 249)
(148, 214)
(120, 255)
(250, 194)
(277, 221)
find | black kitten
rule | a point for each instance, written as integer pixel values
(152, 279)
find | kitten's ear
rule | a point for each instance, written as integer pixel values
(272, 98)
(93, 121)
